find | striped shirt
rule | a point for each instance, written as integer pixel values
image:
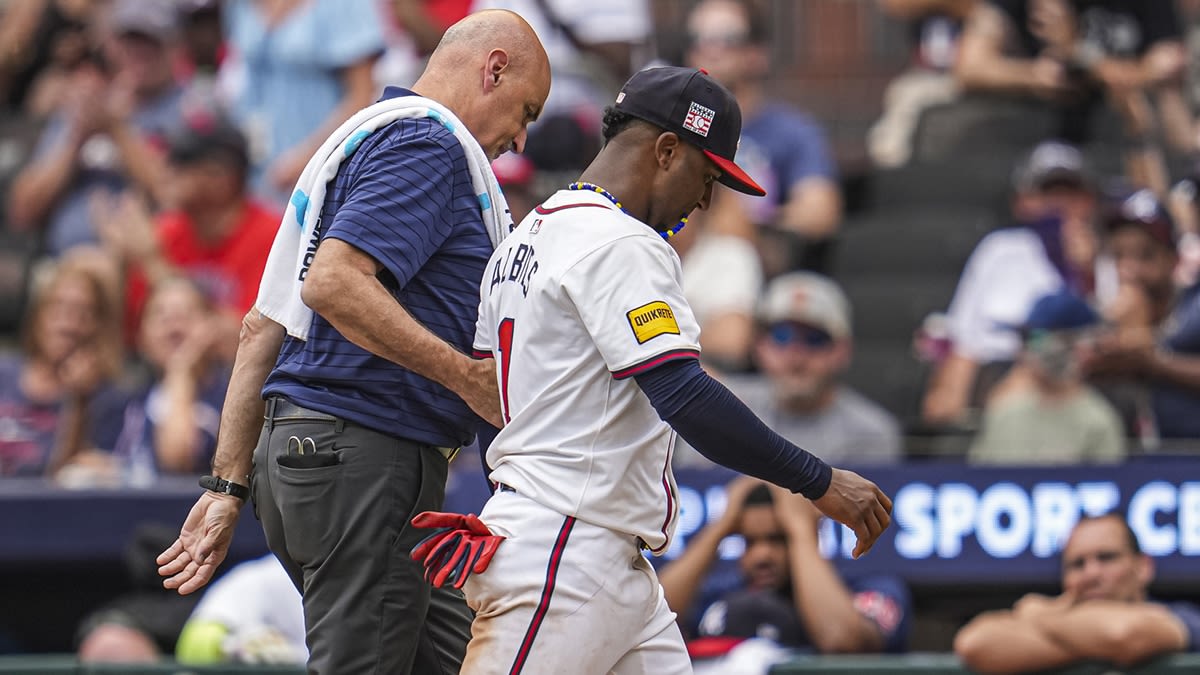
(405, 198)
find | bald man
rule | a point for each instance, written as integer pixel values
(362, 418)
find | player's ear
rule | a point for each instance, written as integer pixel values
(496, 66)
(666, 149)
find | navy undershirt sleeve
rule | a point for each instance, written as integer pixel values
(720, 427)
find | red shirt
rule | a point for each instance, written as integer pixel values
(228, 270)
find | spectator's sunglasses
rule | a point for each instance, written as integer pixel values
(786, 333)
(727, 39)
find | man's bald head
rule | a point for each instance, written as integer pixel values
(491, 70)
(480, 33)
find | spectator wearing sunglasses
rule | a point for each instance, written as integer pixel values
(803, 346)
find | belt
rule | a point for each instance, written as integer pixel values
(279, 408)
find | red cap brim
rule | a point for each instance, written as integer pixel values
(734, 177)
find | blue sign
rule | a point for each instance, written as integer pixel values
(955, 524)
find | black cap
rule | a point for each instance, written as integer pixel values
(1142, 210)
(203, 137)
(690, 103)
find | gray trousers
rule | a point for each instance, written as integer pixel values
(335, 500)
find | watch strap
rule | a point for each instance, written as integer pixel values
(225, 487)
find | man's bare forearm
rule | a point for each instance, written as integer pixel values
(242, 414)
(342, 287)
(1118, 632)
(997, 642)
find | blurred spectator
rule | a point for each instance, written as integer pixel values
(788, 591)
(1183, 203)
(143, 623)
(1079, 53)
(414, 31)
(1103, 614)
(782, 149)
(935, 27)
(171, 425)
(211, 231)
(1042, 412)
(203, 39)
(57, 398)
(251, 614)
(1156, 343)
(804, 345)
(1051, 246)
(295, 72)
(43, 39)
(104, 136)
(722, 279)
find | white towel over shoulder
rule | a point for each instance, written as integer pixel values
(295, 242)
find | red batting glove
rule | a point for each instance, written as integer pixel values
(458, 547)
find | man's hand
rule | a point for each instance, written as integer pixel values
(735, 500)
(203, 542)
(1036, 607)
(481, 391)
(858, 504)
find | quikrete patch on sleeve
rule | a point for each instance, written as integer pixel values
(651, 320)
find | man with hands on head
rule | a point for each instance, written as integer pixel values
(367, 406)
(1103, 613)
(788, 591)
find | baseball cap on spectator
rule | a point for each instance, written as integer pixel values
(809, 299)
(1142, 210)
(155, 19)
(207, 138)
(746, 614)
(1059, 311)
(1053, 164)
(690, 103)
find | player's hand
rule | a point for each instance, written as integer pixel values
(858, 504)
(458, 547)
(203, 542)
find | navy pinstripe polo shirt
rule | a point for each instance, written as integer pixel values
(405, 198)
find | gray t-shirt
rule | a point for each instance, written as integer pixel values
(853, 430)
(1023, 428)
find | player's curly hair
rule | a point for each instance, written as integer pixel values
(615, 122)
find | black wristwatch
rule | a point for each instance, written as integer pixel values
(222, 486)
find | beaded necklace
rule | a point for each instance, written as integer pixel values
(580, 185)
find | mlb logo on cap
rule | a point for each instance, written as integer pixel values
(699, 119)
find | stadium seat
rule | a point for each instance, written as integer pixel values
(919, 241)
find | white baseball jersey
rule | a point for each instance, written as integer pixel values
(576, 301)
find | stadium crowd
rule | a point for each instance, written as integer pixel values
(987, 253)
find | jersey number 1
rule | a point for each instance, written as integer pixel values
(504, 334)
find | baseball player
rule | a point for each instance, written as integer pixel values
(595, 347)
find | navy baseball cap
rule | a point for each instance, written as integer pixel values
(1061, 311)
(690, 103)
